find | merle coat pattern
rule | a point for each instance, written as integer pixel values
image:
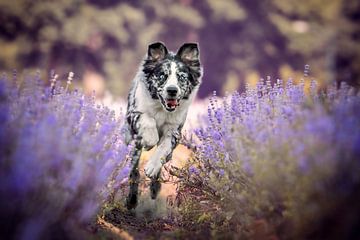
(158, 103)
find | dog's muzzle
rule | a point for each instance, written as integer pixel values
(171, 101)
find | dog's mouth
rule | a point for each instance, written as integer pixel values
(170, 104)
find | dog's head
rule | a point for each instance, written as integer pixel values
(172, 77)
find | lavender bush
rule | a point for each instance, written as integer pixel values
(276, 161)
(61, 157)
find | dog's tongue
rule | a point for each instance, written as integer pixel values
(171, 102)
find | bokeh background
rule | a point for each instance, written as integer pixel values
(241, 41)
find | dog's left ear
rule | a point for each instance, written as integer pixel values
(189, 52)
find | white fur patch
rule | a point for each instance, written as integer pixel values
(172, 79)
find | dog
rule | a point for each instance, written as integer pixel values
(158, 102)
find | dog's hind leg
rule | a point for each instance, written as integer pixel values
(134, 178)
(155, 186)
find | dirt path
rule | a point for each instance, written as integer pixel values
(152, 219)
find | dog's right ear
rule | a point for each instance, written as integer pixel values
(157, 51)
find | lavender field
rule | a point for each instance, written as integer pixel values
(62, 156)
(279, 161)
(270, 150)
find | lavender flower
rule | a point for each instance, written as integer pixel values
(60, 154)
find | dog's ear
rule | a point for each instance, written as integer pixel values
(157, 51)
(189, 52)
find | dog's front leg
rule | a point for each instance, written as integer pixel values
(148, 131)
(163, 150)
(162, 154)
(145, 136)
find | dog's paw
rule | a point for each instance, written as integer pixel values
(152, 168)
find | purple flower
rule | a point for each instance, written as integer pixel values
(279, 134)
(193, 170)
(58, 151)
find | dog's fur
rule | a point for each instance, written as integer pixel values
(158, 103)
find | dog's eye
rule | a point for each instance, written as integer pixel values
(161, 77)
(182, 77)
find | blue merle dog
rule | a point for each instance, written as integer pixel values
(158, 102)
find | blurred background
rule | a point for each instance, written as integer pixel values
(241, 41)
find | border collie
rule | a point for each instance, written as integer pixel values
(158, 102)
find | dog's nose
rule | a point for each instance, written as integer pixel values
(172, 90)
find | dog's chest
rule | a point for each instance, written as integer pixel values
(163, 118)
(153, 108)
